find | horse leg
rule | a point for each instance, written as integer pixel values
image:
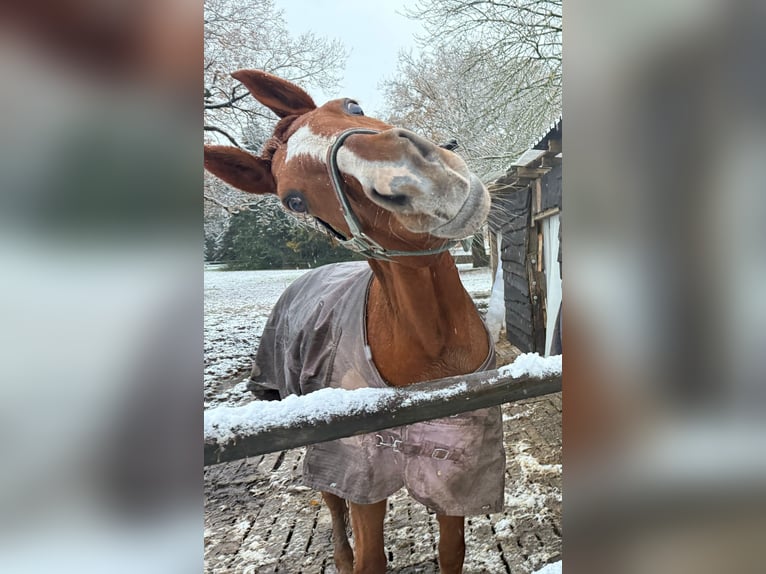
(451, 544)
(342, 553)
(367, 523)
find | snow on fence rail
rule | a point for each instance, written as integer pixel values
(261, 427)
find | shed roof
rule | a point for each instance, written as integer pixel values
(533, 163)
(554, 132)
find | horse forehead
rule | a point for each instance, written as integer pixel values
(318, 131)
(308, 142)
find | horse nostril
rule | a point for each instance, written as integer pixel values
(424, 147)
(398, 200)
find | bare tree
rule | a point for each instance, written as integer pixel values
(488, 75)
(443, 95)
(514, 30)
(252, 34)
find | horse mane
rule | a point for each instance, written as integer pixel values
(278, 138)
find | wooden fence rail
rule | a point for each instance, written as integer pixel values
(405, 406)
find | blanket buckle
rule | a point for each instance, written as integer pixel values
(440, 454)
(394, 444)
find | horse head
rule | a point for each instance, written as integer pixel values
(381, 190)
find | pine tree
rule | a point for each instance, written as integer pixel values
(269, 238)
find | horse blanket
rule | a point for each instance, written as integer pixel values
(316, 338)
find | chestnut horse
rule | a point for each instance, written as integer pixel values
(401, 201)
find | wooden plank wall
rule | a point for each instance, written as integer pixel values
(512, 209)
(551, 184)
(530, 191)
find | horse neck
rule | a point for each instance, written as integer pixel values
(421, 323)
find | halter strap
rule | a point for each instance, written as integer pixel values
(359, 241)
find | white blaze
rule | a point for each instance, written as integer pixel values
(306, 142)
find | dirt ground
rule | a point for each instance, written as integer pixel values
(260, 519)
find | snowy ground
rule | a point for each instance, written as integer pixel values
(259, 518)
(237, 304)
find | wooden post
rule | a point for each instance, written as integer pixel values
(536, 279)
(538, 197)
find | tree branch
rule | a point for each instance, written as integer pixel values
(220, 204)
(227, 104)
(235, 209)
(220, 131)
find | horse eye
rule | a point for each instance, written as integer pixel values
(354, 108)
(296, 203)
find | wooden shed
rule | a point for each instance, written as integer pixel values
(525, 224)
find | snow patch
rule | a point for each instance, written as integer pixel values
(495, 317)
(224, 424)
(255, 556)
(417, 397)
(504, 528)
(529, 500)
(532, 365)
(552, 568)
(242, 526)
(516, 417)
(530, 464)
(530, 497)
(478, 282)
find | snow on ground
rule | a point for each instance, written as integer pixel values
(290, 527)
(495, 317)
(554, 568)
(530, 496)
(478, 282)
(237, 305)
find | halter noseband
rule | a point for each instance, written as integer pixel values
(359, 241)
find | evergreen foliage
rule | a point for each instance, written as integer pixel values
(269, 238)
(211, 248)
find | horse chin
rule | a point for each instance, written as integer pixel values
(471, 215)
(466, 220)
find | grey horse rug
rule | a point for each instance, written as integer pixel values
(316, 338)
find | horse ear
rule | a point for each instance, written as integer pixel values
(240, 169)
(280, 96)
